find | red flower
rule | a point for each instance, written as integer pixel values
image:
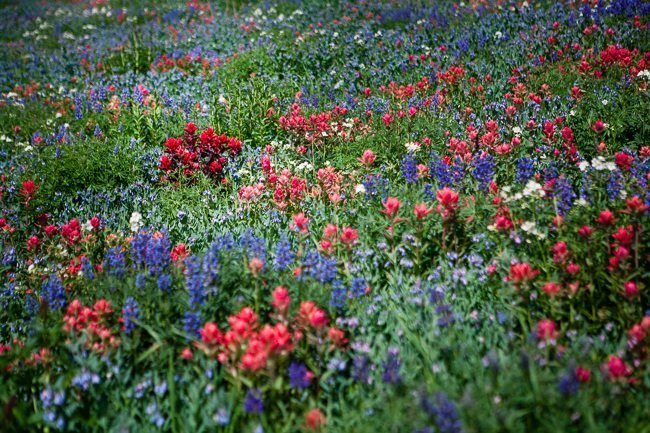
(349, 235)
(631, 289)
(315, 419)
(585, 231)
(309, 314)
(391, 207)
(551, 288)
(502, 222)
(211, 334)
(387, 119)
(583, 374)
(624, 161)
(447, 198)
(337, 336)
(179, 252)
(635, 204)
(33, 243)
(420, 210)
(606, 218)
(598, 127)
(29, 188)
(546, 330)
(187, 354)
(368, 158)
(522, 273)
(300, 222)
(191, 128)
(281, 300)
(617, 368)
(94, 222)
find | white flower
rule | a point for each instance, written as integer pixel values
(411, 146)
(516, 130)
(135, 221)
(360, 189)
(583, 165)
(605, 101)
(533, 188)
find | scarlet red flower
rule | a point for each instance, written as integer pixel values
(522, 273)
(179, 252)
(255, 265)
(606, 218)
(315, 419)
(94, 222)
(187, 354)
(583, 374)
(636, 333)
(387, 119)
(572, 268)
(631, 289)
(33, 242)
(300, 222)
(191, 128)
(635, 204)
(616, 367)
(29, 188)
(211, 334)
(560, 252)
(368, 158)
(551, 288)
(349, 235)
(447, 198)
(624, 160)
(585, 231)
(309, 314)
(337, 336)
(598, 127)
(502, 222)
(391, 207)
(281, 300)
(546, 330)
(420, 210)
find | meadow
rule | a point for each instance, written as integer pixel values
(309, 216)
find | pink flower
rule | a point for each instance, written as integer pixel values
(391, 206)
(300, 222)
(420, 210)
(546, 330)
(349, 235)
(368, 158)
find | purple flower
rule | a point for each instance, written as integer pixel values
(298, 376)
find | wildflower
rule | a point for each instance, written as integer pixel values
(368, 158)
(616, 368)
(253, 402)
(349, 235)
(606, 218)
(392, 366)
(391, 207)
(631, 289)
(281, 300)
(420, 210)
(315, 419)
(29, 188)
(300, 222)
(299, 376)
(583, 374)
(546, 330)
(599, 126)
(130, 312)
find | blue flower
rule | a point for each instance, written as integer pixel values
(392, 366)
(284, 255)
(53, 292)
(298, 376)
(253, 402)
(130, 312)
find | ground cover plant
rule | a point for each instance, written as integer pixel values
(353, 216)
